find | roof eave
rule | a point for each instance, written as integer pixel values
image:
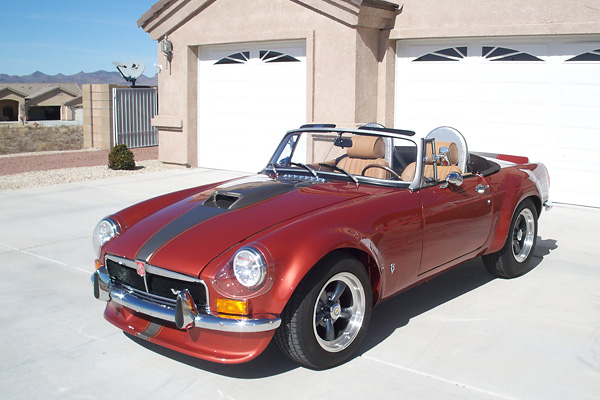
(165, 16)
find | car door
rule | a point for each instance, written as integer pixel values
(456, 220)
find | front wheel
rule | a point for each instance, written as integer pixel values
(514, 258)
(327, 316)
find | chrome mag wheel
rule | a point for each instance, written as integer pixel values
(515, 256)
(339, 312)
(523, 235)
(327, 317)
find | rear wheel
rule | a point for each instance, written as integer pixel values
(327, 316)
(514, 258)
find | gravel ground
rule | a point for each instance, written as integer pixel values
(19, 171)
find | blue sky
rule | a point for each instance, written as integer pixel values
(69, 36)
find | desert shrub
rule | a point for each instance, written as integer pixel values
(120, 157)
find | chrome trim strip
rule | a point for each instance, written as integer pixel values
(105, 289)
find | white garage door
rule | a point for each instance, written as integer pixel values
(536, 98)
(250, 94)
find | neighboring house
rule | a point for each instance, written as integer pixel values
(518, 77)
(74, 109)
(39, 101)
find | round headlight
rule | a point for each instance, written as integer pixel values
(104, 231)
(249, 267)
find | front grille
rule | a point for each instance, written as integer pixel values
(158, 285)
(125, 275)
(169, 288)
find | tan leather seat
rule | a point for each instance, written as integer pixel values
(365, 150)
(442, 170)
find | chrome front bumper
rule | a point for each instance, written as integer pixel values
(184, 315)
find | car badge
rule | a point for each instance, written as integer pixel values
(141, 268)
(175, 291)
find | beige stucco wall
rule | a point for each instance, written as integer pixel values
(342, 65)
(469, 18)
(350, 48)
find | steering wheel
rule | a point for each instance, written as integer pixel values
(388, 169)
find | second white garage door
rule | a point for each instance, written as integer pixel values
(249, 95)
(533, 97)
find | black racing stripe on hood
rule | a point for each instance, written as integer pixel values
(239, 196)
(176, 227)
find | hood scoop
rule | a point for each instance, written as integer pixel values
(246, 195)
(222, 200)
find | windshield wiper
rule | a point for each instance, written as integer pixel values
(306, 167)
(335, 167)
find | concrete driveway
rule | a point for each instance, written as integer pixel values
(464, 335)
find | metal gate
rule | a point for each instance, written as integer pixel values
(133, 108)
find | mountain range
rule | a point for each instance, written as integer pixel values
(79, 78)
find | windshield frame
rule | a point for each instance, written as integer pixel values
(300, 172)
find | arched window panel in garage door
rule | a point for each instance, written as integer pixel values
(270, 56)
(236, 58)
(492, 53)
(448, 54)
(591, 56)
(267, 56)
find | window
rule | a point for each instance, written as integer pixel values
(237, 58)
(267, 56)
(8, 112)
(273, 56)
(504, 54)
(449, 54)
(589, 56)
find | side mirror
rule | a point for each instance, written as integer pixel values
(453, 178)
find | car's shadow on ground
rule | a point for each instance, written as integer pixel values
(386, 318)
(399, 310)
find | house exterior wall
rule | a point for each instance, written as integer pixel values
(342, 85)
(54, 98)
(468, 18)
(351, 48)
(14, 102)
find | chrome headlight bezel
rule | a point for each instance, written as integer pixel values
(249, 267)
(104, 231)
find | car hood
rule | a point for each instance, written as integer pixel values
(186, 235)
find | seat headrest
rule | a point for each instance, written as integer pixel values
(366, 147)
(452, 156)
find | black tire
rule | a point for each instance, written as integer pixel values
(514, 258)
(327, 316)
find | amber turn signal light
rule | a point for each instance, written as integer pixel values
(236, 307)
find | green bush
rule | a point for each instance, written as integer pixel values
(120, 157)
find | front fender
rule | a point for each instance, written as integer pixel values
(294, 266)
(296, 248)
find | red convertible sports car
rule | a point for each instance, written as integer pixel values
(338, 221)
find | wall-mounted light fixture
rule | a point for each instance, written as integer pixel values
(167, 48)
